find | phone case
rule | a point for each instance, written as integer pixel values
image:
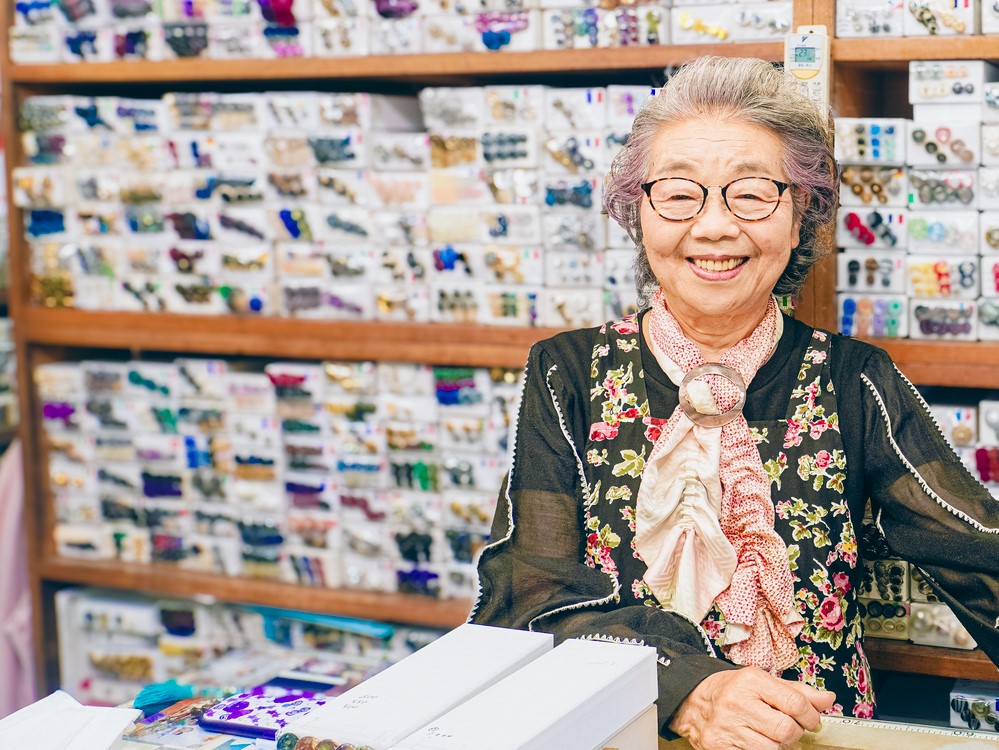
(262, 712)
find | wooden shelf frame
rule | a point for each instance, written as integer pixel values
(418, 68)
(169, 580)
(863, 70)
(901, 656)
(445, 344)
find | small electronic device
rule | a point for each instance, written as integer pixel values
(806, 60)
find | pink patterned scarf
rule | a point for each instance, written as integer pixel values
(758, 605)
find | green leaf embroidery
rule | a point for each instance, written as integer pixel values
(632, 465)
(618, 492)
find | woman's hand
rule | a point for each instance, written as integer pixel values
(749, 709)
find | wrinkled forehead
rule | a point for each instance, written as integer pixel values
(716, 145)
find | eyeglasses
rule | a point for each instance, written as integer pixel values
(748, 198)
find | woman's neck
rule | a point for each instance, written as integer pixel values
(715, 335)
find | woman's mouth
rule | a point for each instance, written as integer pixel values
(716, 266)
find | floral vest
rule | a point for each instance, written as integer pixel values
(803, 457)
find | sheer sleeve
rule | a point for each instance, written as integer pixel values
(930, 508)
(532, 575)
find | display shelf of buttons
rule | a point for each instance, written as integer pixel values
(51, 328)
(872, 82)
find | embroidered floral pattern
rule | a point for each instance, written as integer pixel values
(811, 513)
(815, 518)
(600, 540)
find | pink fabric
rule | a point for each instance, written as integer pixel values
(17, 672)
(758, 606)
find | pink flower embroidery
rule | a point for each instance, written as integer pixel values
(842, 582)
(631, 413)
(817, 428)
(831, 614)
(793, 435)
(626, 326)
(863, 710)
(862, 685)
(603, 431)
(712, 628)
(822, 459)
(654, 429)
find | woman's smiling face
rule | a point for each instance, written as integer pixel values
(716, 264)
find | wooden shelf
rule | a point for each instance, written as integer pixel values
(971, 364)
(901, 656)
(443, 344)
(896, 53)
(387, 67)
(170, 581)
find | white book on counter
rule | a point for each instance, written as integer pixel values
(575, 697)
(394, 703)
(59, 722)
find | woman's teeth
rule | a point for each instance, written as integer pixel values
(718, 265)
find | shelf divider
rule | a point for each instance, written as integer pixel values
(437, 343)
(410, 609)
(455, 65)
(902, 656)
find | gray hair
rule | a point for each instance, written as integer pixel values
(755, 92)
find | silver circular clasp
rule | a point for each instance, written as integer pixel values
(717, 419)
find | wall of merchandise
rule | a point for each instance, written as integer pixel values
(340, 475)
(919, 223)
(107, 30)
(112, 644)
(466, 205)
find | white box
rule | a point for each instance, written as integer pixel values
(988, 330)
(576, 696)
(991, 97)
(881, 315)
(396, 702)
(953, 112)
(575, 108)
(946, 18)
(944, 143)
(990, 144)
(989, 233)
(943, 232)
(943, 320)
(758, 22)
(951, 81)
(990, 276)
(935, 624)
(990, 18)
(866, 140)
(943, 276)
(871, 186)
(869, 18)
(988, 187)
(870, 271)
(974, 704)
(988, 419)
(876, 228)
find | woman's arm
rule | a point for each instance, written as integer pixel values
(932, 511)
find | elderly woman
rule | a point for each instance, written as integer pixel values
(693, 478)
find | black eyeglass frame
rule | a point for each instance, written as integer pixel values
(781, 188)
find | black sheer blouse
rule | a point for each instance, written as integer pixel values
(931, 510)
